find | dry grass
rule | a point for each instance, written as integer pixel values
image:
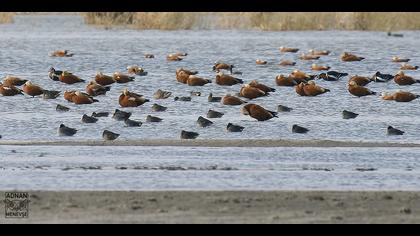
(383, 21)
(6, 17)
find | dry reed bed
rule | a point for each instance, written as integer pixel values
(376, 21)
(6, 17)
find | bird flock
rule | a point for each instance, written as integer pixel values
(225, 75)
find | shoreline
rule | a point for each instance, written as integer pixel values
(222, 207)
(216, 143)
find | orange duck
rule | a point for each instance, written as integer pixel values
(13, 81)
(312, 90)
(359, 91)
(319, 52)
(32, 90)
(282, 80)
(406, 66)
(104, 80)
(261, 87)
(300, 89)
(227, 80)
(80, 98)
(9, 91)
(348, 57)
(319, 67)
(400, 60)
(251, 93)
(122, 79)
(69, 78)
(129, 99)
(68, 95)
(61, 53)
(174, 57)
(400, 96)
(95, 89)
(287, 63)
(197, 81)
(232, 101)
(308, 57)
(257, 112)
(286, 49)
(402, 79)
(360, 80)
(300, 76)
(260, 62)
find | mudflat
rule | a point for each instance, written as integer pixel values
(222, 207)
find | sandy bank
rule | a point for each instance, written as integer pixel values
(222, 207)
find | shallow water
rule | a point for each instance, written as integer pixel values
(162, 168)
(26, 44)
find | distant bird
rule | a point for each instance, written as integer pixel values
(50, 94)
(260, 62)
(189, 135)
(257, 112)
(211, 114)
(326, 77)
(62, 108)
(13, 81)
(392, 131)
(66, 131)
(149, 56)
(61, 53)
(319, 67)
(183, 99)
(406, 66)
(54, 74)
(360, 80)
(130, 99)
(68, 78)
(211, 98)
(121, 115)
(153, 119)
(122, 79)
(133, 123)
(89, 119)
(308, 57)
(319, 52)
(299, 130)
(281, 108)
(100, 114)
(136, 70)
(359, 91)
(400, 96)
(223, 66)
(197, 94)
(286, 49)
(234, 128)
(400, 60)
(287, 63)
(382, 78)
(161, 94)
(95, 89)
(104, 80)
(348, 57)
(174, 57)
(158, 108)
(232, 101)
(390, 34)
(347, 115)
(109, 136)
(403, 80)
(203, 122)
(227, 80)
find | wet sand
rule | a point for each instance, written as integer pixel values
(222, 207)
(213, 143)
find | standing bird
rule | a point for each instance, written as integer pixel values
(129, 99)
(359, 91)
(257, 112)
(68, 78)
